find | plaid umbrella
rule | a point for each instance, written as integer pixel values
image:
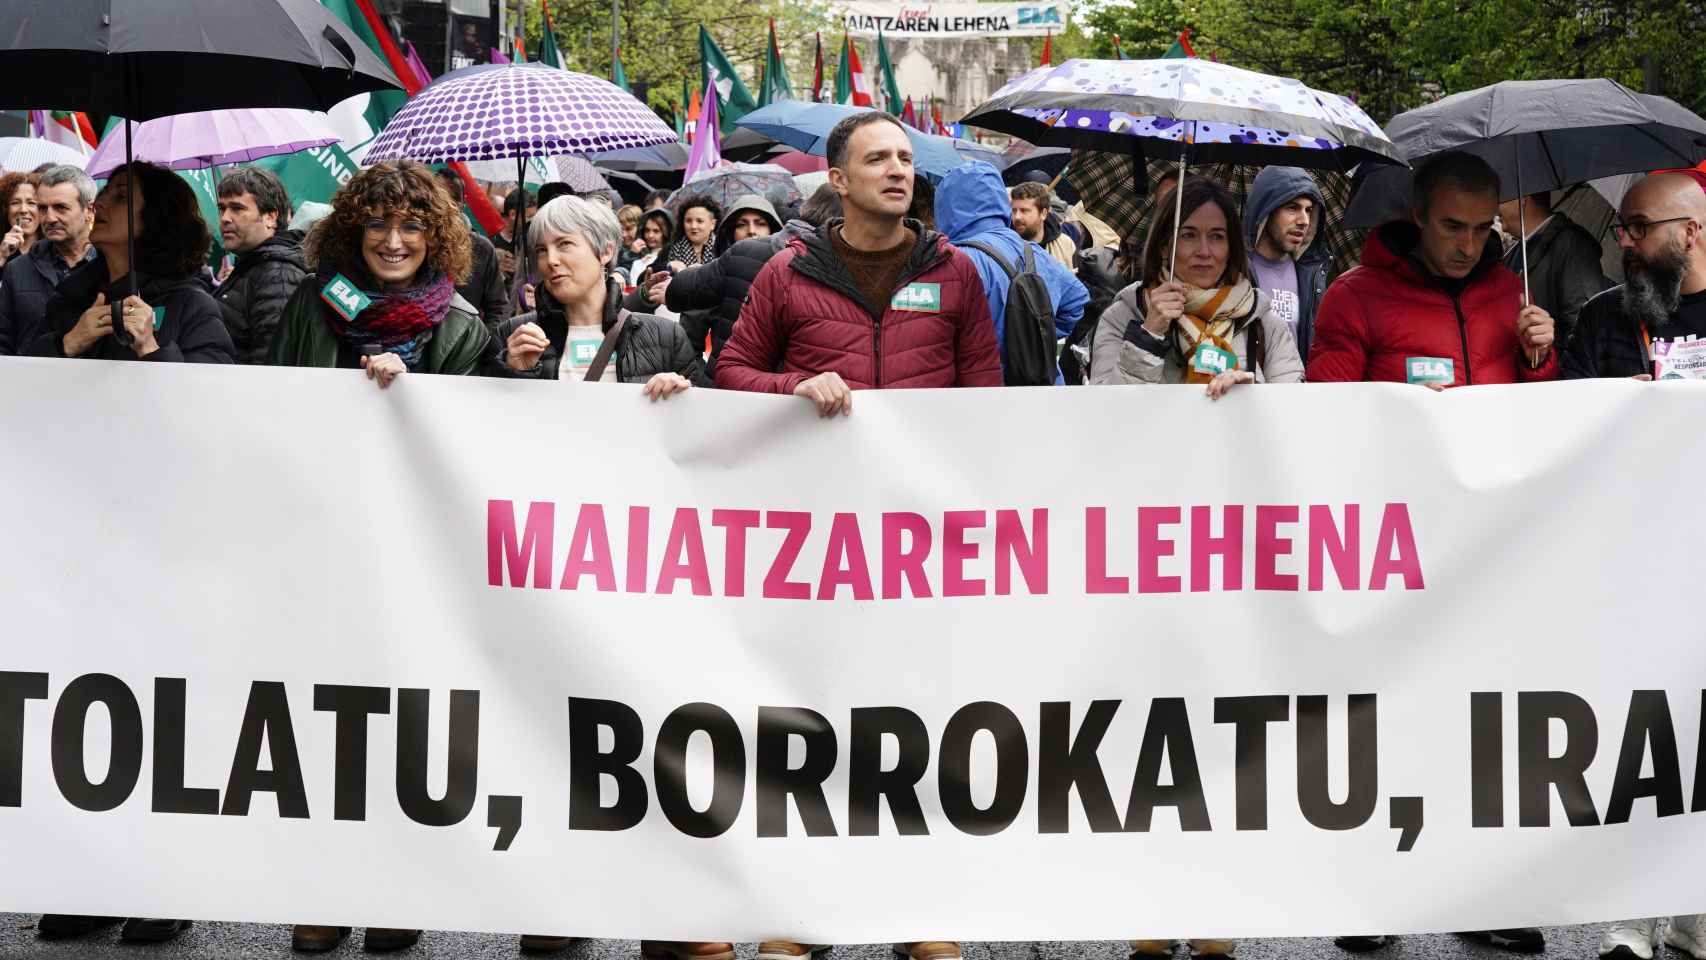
(1107, 182)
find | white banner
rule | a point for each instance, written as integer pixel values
(979, 664)
(950, 21)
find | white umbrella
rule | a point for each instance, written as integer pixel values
(23, 154)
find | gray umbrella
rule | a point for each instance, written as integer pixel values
(1539, 135)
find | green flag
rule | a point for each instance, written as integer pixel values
(776, 86)
(885, 75)
(382, 105)
(1181, 48)
(549, 55)
(618, 75)
(733, 99)
(852, 87)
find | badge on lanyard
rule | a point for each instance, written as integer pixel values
(1438, 370)
(1212, 360)
(159, 318)
(919, 297)
(344, 297)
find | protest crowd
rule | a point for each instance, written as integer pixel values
(1226, 278)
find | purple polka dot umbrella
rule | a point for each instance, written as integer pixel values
(510, 111)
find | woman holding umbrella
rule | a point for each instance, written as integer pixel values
(1203, 323)
(171, 317)
(382, 296)
(18, 205)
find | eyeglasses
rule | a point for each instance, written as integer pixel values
(410, 229)
(1637, 230)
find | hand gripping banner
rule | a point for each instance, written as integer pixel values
(983, 664)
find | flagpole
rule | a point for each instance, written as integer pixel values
(615, 35)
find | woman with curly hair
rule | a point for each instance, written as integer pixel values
(171, 317)
(18, 229)
(382, 297)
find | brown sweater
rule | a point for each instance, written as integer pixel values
(875, 271)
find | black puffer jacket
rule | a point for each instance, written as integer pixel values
(649, 345)
(26, 284)
(191, 329)
(1098, 270)
(486, 288)
(719, 288)
(253, 296)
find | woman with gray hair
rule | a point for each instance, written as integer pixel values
(580, 330)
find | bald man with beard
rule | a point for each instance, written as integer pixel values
(1662, 229)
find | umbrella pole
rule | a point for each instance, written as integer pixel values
(522, 272)
(1522, 233)
(119, 332)
(1178, 211)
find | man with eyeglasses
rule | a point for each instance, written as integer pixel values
(1663, 297)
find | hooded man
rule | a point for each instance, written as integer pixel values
(702, 293)
(972, 206)
(1288, 255)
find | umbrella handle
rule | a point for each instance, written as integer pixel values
(1533, 357)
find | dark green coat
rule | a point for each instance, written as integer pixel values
(306, 340)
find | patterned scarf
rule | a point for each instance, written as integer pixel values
(1211, 316)
(684, 251)
(401, 321)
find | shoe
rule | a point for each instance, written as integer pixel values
(386, 939)
(1360, 943)
(306, 938)
(1688, 934)
(1151, 948)
(1211, 949)
(686, 950)
(140, 930)
(788, 950)
(1514, 939)
(544, 943)
(928, 950)
(1630, 940)
(64, 926)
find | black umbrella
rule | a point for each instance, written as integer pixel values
(1539, 135)
(144, 60)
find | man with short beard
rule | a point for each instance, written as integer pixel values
(1659, 227)
(63, 197)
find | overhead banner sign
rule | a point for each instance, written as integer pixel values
(977, 664)
(952, 21)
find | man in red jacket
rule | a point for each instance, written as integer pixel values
(870, 301)
(1431, 302)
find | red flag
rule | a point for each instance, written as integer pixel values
(1117, 54)
(1185, 42)
(936, 115)
(693, 116)
(908, 116)
(817, 72)
(1048, 49)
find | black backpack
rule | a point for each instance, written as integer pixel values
(1028, 341)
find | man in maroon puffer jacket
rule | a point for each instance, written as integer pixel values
(1431, 302)
(871, 301)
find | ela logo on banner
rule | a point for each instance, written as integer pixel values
(920, 297)
(344, 297)
(1429, 370)
(1212, 360)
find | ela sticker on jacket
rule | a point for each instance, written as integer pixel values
(1212, 360)
(344, 297)
(921, 297)
(1429, 370)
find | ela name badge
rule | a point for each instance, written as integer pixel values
(919, 297)
(344, 297)
(1212, 360)
(1429, 370)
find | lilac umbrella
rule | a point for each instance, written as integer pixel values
(195, 141)
(1196, 109)
(515, 111)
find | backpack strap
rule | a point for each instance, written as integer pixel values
(989, 251)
